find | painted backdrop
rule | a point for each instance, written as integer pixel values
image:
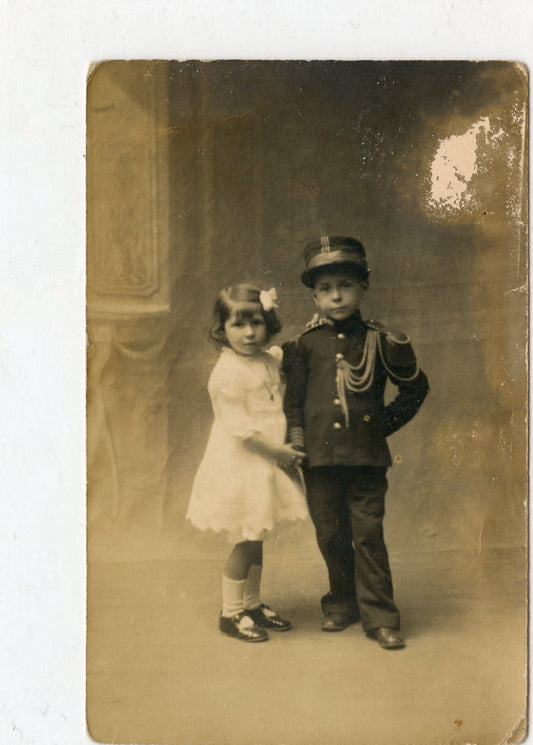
(200, 174)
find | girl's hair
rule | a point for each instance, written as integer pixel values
(243, 299)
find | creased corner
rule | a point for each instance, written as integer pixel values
(518, 734)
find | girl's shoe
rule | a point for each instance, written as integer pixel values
(241, 626)
(266, 618)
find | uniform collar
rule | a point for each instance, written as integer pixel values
(349, 325)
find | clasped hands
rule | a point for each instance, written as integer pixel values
(288, 456)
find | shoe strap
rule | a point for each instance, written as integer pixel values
(246, 625)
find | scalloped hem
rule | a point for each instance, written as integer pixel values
(245, 534)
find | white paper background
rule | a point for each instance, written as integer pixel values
(46, 51)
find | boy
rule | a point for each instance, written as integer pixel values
(336, 373)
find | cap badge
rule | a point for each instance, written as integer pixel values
(325, 247)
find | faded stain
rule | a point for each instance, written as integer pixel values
(454, 165)
(465, 164)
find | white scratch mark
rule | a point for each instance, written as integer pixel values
(522, 288)
(481, 529)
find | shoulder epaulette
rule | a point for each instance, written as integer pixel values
(396, 352)
(315, 323)
(308, 329)
(394, 336)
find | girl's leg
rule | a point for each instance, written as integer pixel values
(252, 589)
(236, 571)
(258, 611)
(241, 587)
(242, 557)
(234, 620)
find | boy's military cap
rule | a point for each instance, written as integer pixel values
(330, 250)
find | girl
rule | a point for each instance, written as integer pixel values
(240, 486)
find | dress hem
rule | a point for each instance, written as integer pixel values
(242, 533)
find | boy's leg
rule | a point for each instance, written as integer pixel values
(330, 515)
(365, 496)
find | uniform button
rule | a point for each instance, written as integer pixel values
(366, 417)
(337, 401)
(341, 336)
(337, 425)
(339, 356)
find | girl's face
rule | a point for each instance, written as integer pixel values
(248, 334)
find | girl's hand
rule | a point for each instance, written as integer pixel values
(287, 456)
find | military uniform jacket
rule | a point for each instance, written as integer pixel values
(335, 376)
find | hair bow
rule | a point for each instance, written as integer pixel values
(268, 298)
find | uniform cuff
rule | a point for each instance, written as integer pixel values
(296, 438)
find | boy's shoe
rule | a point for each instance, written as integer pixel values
(336, 621)
(331, 604)
(241, 626)
(265, 617)
(387, 638)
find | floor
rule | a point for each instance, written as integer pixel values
(159, 672)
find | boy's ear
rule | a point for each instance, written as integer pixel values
(365, 284)
(315, 299)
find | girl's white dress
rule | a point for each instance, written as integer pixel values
(236, 489)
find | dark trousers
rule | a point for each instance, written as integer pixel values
(347, 505)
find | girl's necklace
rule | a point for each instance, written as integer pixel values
(271, 383)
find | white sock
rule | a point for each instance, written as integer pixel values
(232, 595)
(252, 591)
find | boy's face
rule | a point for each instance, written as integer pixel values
(338, 296)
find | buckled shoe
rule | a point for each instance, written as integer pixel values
(268, 619)
(241, 626)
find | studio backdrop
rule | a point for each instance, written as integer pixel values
(201, 174)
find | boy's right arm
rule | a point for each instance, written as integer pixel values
(295, 372)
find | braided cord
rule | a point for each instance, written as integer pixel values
(357, 378)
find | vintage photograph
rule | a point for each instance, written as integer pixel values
(307, 458)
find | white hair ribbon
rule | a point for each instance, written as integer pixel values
(268, 298)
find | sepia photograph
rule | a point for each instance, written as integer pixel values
(307, 457)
